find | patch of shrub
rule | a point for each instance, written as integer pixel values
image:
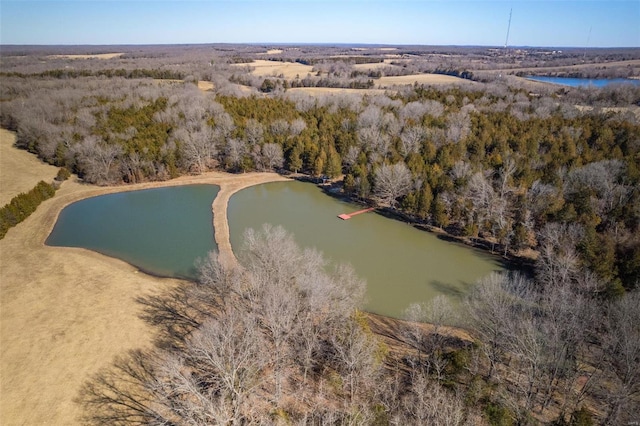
(22, 205)
(498, 415)
(63, 174)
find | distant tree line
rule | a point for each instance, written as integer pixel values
(109, 73)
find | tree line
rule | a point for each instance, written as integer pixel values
(488, 165)
(22, 205)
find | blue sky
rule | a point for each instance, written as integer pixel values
(596, 23)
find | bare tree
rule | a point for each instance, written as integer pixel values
(355, 352)
(429, 343)
(411, 139)
(373, 139)
(279, 128)
(392, 182)
(490, 306)
(254, 132)
(235, 152)
(559, 260)
(482, 196)
(98, 160)
(272, 154)
(198, 147)
(297, 126)
(228, 352)
(429, 403)
(459, 126)
(351, 157)
(621, 344)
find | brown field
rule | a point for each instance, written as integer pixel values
(364, 67)
(96, 56)
(290, 70)
(272, 52)
(202, 85)
(421, 79)
(205, 85)
(19, 171)
(321, 91)
(67, 312)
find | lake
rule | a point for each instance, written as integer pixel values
(583, 82)
(161, 231)
(400, 263)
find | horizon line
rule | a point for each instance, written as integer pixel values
(326, 44)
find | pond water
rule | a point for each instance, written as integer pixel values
(400, 263)
(161, 231)
(583, 82)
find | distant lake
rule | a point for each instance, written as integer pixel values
(161, 231)
(583, 82)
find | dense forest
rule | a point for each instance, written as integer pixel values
(547, 174)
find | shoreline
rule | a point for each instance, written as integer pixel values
(68, 312)
(87, 301)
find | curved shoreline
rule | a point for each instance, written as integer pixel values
(229, 184)
(67, 312)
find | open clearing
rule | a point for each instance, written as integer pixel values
(205, 85)
(290, 70)
(19, 170)
(67, 312)
(373, 66)
(420, 79)
(202, 85)
(272, 52)
(96, 56)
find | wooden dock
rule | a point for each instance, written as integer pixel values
(345, 216)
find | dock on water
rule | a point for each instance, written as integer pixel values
(345, 216)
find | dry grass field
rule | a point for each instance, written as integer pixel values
(96, 56)
(205, 85)
(67, 312)
(202, 85)
(19, 170)
(374, 66)
(421, 79)
(290, 70)
(272, 52)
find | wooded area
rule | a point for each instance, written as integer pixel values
(527, 170)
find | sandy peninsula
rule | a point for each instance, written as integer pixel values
(67, 312)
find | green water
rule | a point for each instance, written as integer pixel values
(401, 264)
(161, 231)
